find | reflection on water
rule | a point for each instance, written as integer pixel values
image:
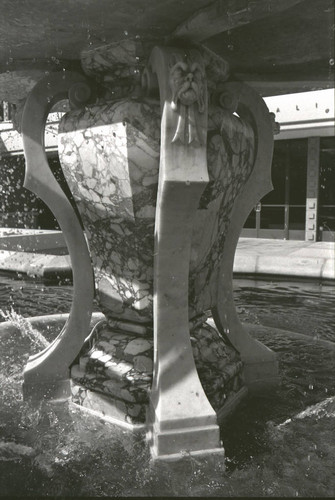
(34, 298)
(306, 369)
(303, 307)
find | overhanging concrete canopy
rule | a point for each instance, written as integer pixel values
(278, 46)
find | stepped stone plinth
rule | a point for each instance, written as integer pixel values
(118, 364)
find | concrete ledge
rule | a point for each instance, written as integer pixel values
(287, 266)
(300, 259)
(32, 240)
(285, 258)
(34, 252)
(35, 264)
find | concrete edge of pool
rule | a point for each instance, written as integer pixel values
(42, 254)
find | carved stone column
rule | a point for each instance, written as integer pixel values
(181, 414)
(163, 180)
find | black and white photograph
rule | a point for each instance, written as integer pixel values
(167, 249)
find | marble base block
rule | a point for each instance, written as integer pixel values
(179, 442)
(113, 374)
(110, 409)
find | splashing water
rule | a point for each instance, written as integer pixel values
(25, 327)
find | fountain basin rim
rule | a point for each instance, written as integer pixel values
(7, 327)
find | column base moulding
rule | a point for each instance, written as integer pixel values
(110, 409)
(103, 407)
(176, 443)
(205, 454)
(113, 373)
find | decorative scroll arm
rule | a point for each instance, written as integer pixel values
(47, 373)
(261, 369)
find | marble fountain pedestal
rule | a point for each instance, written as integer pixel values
(163, 180)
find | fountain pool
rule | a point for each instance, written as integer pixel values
(306, 307)
(269, 450)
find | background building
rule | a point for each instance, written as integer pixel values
(302, 203)
(300, 207)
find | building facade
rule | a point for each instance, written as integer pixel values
(300, 207)
(302, 203)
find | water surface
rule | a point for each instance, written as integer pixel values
(74, 454)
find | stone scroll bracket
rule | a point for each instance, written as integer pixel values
(47, 373)
(260, 365)
(180, 416)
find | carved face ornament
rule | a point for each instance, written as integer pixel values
(187, 85)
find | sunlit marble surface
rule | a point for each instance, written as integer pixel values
(110, 157)
(119, 364)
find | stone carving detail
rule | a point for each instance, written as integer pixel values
(187, 85)
(163, 192)
(48, 371)
(228, 100)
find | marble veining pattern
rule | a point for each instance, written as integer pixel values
(230, 154)
(120, 365)
(110, 157)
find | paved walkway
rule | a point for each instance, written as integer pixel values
(43, 256)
